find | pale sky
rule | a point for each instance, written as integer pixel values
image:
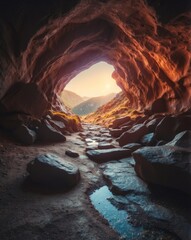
(95, 81)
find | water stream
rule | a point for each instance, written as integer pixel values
(118, 219)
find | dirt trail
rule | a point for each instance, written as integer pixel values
(27, 212)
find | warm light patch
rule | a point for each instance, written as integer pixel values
(95, 81)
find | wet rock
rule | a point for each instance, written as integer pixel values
(51, 170)
(71, 154)
(123, 179)
(170, 126)
(133, 135)
(148, 140)
(165, 165)
(183, 139)
(104, 145)
(47, 133)
(105, 155)
(24, 135)
(132, 146)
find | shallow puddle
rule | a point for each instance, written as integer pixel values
(118, 219)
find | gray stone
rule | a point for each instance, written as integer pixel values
(165, 165)
(132, 146)
(123, 179)
(71, 154)
(182, 139)
(133, 135)
(24, 135)
(105, 155)
(53, 171)
(104, 145)
(47, 133)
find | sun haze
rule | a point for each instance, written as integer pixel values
(94, 81)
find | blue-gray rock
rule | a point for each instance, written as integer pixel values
(183, 139)
(165, 165)
(105, 155)
(52, 171)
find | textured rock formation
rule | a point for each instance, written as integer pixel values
(49, 43)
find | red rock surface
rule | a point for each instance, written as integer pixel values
(48, 45)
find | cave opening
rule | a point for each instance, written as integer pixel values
(90, 89)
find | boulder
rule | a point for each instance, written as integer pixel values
(105, 155)
(183, 139)
(119, 121)
(170, 126)
(148, 140)
(47, 133)
(133, 135)
(24, 135)
(71, 154)
(123, 179)
(52, 171)
(165, 165)
(151, 125)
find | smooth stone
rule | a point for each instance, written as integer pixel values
(104, 145)
(104, 155)
(165, 165)
(183, 139)
(133, 135)
(24, 135)
(47, 133)
(170, 126)
(123, 179)
(51, 170)
(71, 154)
(132, 146)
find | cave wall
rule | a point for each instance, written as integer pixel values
(46, 44)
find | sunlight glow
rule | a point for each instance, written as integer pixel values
(95, 81)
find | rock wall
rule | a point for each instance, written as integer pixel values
(47, 44)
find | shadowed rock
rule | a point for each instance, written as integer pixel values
(47, 133)
(53, 171)
(24, 135)
(105, 155)
(132, 146)
(71, 154)
(165, 165)
(133, 135)
(182, 139)
(148, 140)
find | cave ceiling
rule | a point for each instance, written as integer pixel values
(50, 42)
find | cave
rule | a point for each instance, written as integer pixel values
(63, 177)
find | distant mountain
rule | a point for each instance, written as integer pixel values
(71, 99)
(92, 104)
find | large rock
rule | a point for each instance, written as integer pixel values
(183, 139)
(133, 135)
(123, 179)
(148, 140)
(170, 126)
(105, 155)
(119, 121)
(132, 146)
(47, 133)
(165, 165)
(24, 135)
(51, 170)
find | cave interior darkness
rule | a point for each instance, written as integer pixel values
(138, 145)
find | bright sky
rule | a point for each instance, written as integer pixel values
(95, 81)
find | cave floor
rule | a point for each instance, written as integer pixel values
(28, 213)
(32, 213)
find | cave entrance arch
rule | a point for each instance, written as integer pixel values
(90, 89)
